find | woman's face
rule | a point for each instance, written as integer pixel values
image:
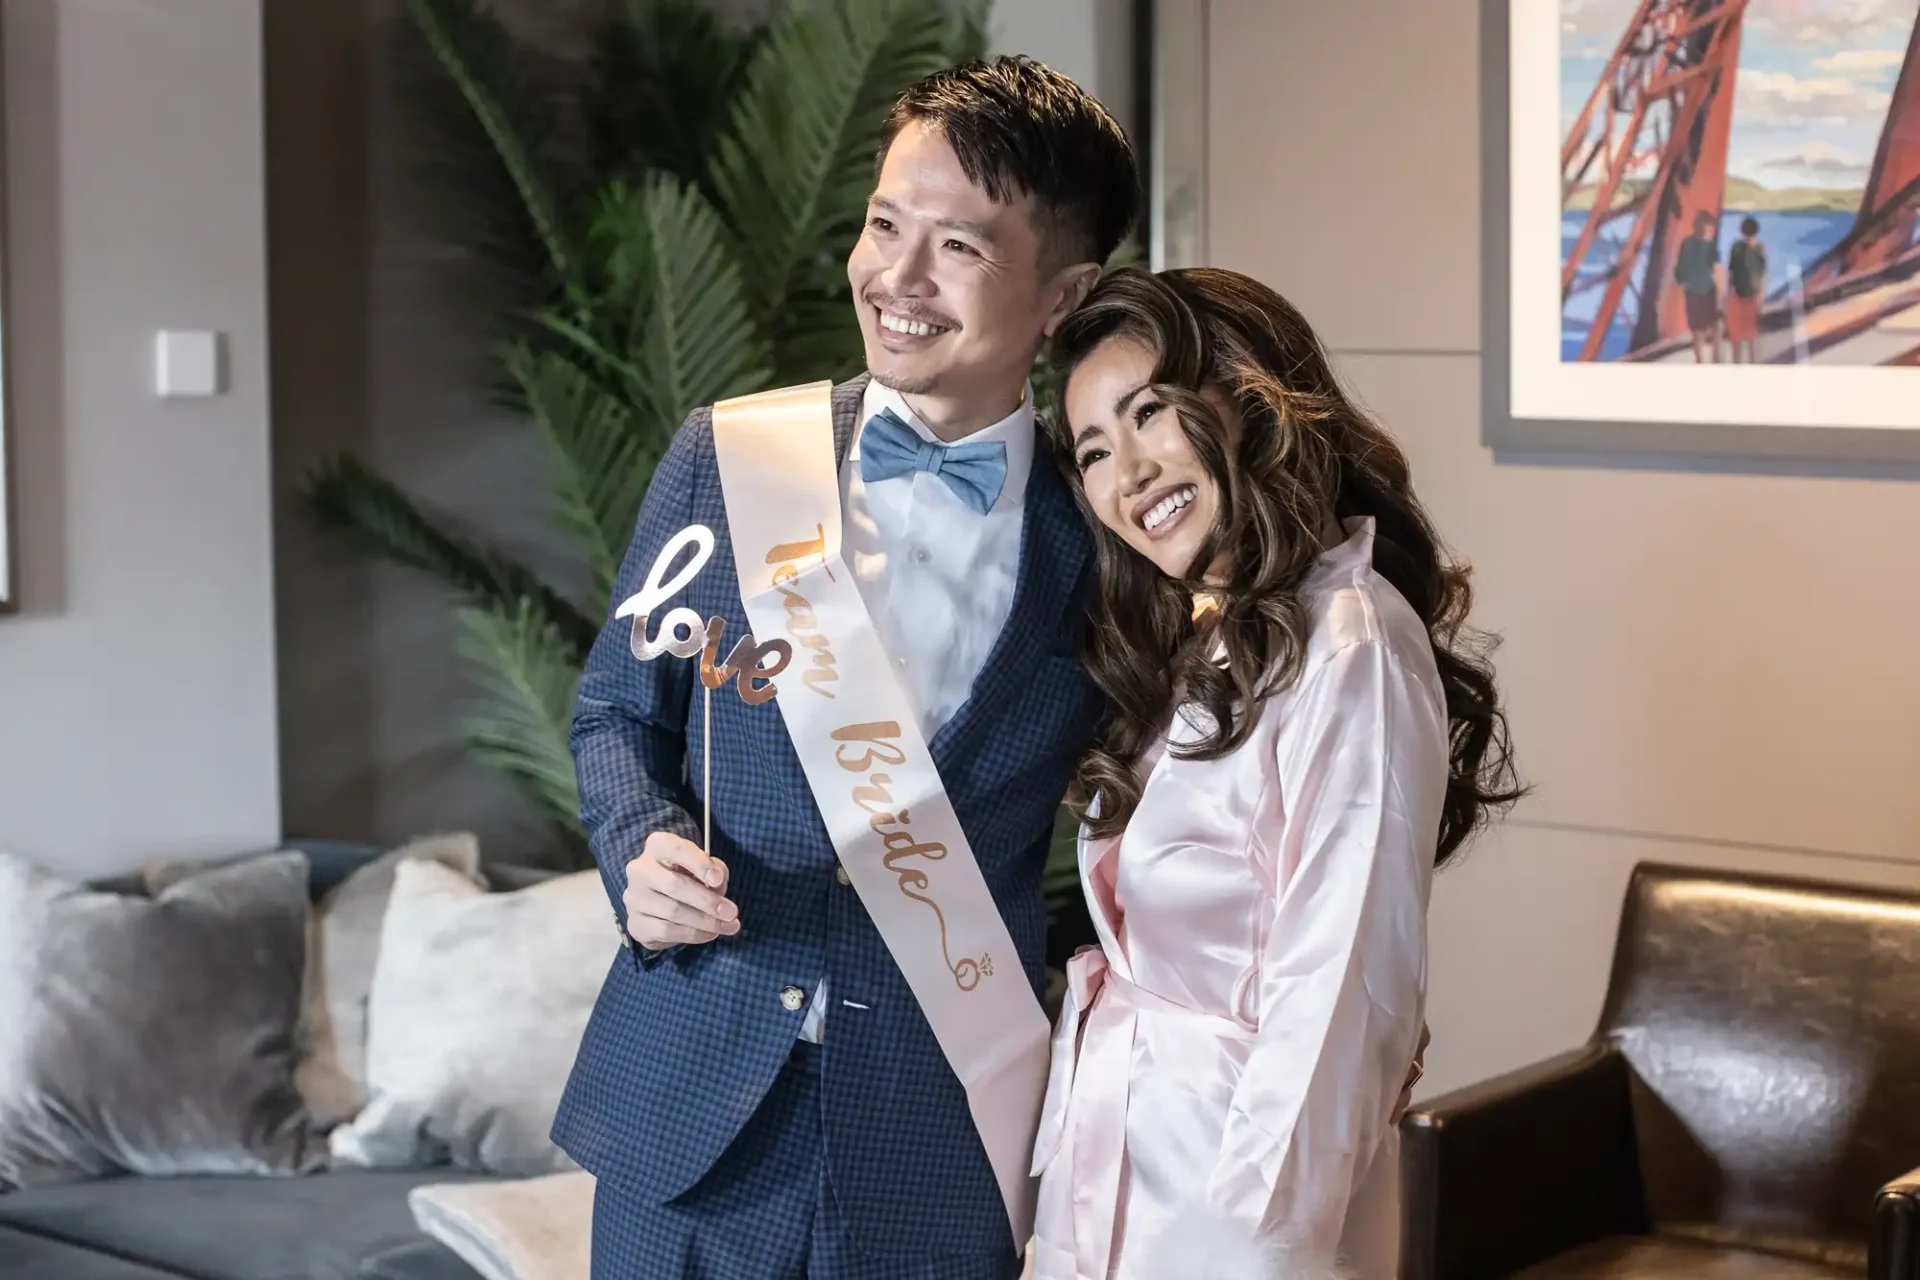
(1141, 475)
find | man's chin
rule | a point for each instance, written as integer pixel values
(905, 382)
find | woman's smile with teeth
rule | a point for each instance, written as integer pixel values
(1164, 510)
(915, 328)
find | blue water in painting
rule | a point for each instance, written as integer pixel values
(1792, 240)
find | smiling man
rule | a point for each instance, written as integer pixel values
(798, 1071)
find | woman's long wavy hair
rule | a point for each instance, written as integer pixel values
(1306, 458)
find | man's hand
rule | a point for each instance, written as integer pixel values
(677, 894)
(1418, 1069)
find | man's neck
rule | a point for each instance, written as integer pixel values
(956, 417)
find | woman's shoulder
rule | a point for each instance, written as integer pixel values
(1351, 604)
(1367, 613)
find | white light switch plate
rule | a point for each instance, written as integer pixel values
(186, 362)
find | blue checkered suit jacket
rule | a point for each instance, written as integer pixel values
(682, 1046)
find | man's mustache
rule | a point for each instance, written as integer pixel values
(909, 310)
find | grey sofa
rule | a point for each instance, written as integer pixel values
(348, 1224)
(335, 1225)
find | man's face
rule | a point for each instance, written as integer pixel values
(948, 283)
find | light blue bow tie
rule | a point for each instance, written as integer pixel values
(975, 472)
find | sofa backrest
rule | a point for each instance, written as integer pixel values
(1773, 1027)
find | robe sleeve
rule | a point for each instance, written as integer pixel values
(1362, 771)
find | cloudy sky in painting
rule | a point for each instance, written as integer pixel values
(1815, 80)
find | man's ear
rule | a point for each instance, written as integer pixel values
(1069, 289)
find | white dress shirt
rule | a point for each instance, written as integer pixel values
(937, 577)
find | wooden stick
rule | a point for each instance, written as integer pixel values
(706, 792)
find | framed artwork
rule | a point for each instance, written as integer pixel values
(1703, 226)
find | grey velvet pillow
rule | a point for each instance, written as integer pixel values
(342, 951)
(152, 1036)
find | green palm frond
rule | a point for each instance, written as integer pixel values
(602, 463)
(665, 73)
(673, 213)
(821, 338)
(487, 69)
(968, 34)
(689, 335)
(530, 675)
(351, 498)
(795, 166)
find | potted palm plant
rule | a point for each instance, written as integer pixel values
(671, 217)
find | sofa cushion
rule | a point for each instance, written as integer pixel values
(322, 1227)
(420, 1260)
(524, 1229)
(152, 1036)
(476, 1015)
(26, 1256)
(328, 863)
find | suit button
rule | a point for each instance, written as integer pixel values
(840, 874)
(792, 998)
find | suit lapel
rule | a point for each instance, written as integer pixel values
(848, 398)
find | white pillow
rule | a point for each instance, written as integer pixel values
(479, 1001)
(342, 958)
(537, 1229)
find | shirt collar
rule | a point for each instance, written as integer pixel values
(1343, 563)
(1016, 431)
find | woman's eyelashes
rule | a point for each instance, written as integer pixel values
(1141, 412)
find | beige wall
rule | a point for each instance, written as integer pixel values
(1704, 667)
(137, 701)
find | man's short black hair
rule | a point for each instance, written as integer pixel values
(1020, 127)
(1749, 225)
(1704, 218)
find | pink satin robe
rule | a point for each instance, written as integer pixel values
(1248, 1022)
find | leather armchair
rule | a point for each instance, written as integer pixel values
(1745, 1109)
(1896, 1229)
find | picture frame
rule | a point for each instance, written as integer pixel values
(1176, 133)
(1623, 386)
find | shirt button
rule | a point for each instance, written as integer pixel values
(792, 998)
(922, 554)
(901, 662)
(840, 874)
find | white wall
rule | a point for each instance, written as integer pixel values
(1703, 666)
(1089, 40)
(137, 698)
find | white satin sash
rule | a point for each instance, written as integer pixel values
(872, 776)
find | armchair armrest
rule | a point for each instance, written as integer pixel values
(1519, 1169)
(1894, 1251)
